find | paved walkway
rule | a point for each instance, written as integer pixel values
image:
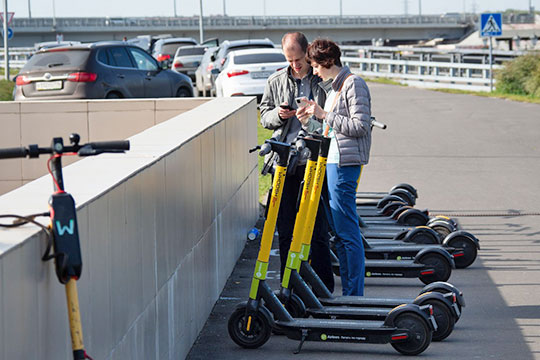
(467, 155)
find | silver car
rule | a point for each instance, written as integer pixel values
(164, 49)
(203, 75)
(187, 59)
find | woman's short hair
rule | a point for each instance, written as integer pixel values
(324, 52)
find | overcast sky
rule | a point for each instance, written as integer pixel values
(124, 8)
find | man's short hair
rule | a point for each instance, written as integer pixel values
(298, 38)
(324, 52)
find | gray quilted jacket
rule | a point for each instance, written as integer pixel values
(351, 119)
(281, 87)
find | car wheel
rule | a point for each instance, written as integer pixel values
(113, 95)
(183, 92)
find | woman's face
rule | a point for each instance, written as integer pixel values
(320, 70)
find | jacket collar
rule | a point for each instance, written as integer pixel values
(340, 78)
(326, 85)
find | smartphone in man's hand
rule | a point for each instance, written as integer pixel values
(286, 107)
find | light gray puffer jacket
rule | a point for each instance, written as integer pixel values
(351, 119)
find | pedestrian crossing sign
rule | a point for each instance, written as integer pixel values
(491, 24)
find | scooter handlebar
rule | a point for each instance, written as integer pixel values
(10, 153)
(266, 148)
(378, 124)
(119, 145)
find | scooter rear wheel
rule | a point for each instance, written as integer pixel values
(442, 230)
(444, 318)
(259, 332)
(442, 267)
(419, 334)
(469, 249)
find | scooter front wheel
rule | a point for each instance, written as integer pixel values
(418, 331)
(258, 333)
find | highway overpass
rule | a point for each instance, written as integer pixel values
(346, 29)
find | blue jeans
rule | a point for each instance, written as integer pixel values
(342, 184)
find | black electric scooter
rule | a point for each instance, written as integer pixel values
(64, 234)
(296, 295)
(407, 327)
(375, 196)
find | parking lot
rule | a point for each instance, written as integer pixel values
(473, 158)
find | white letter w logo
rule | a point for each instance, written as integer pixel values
(62, 229)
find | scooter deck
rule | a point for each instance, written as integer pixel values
(368, 313)
(403, 250)
(329, 324)
(364, 301)
(394, 268)
(392, 264)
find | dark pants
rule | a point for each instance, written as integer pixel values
(320, 249)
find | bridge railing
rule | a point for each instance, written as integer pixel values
(234, 21)
(230, 21)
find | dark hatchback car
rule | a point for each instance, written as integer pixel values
(104, 70)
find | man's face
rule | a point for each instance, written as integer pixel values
(297, 60)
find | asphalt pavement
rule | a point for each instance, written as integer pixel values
(474, 158)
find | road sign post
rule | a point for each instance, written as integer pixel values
(490, 26)
(6, 49)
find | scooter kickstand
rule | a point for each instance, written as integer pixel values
(304, 337)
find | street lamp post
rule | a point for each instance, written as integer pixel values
(54, 15)
(201, 29)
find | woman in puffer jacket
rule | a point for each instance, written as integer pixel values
(346, 114)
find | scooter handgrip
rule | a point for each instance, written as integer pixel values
(110, 145)
(378, 124)
(300, 145)
(10, 153)
(265, 149)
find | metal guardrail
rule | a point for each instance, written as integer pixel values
(431, 74)
(17, 57)
(412, 65)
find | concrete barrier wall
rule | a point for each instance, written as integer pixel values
(31, 122)
(161, 228)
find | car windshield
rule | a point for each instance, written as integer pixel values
(259, 58)
(171, 48)
(191, 51)
(57, 59)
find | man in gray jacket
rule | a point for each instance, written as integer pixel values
(278, 109)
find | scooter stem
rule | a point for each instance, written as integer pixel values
(74, 315)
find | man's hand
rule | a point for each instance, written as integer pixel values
(285, 113)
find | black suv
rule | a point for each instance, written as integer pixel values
(102, 70)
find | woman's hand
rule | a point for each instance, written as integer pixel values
(302, 115)
(313, 109)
